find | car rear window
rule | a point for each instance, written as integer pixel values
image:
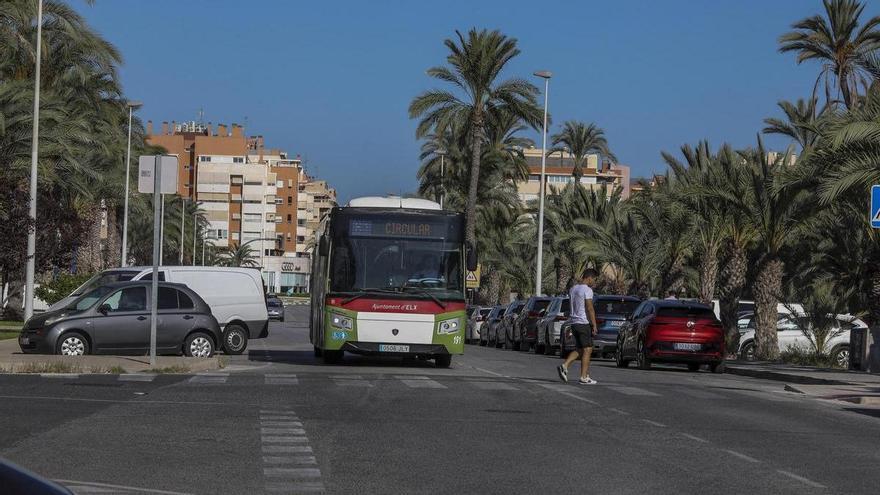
(539, 305)
(686, 312)
(485, 312)
(518, 308)
(616, 307)
(566, 306)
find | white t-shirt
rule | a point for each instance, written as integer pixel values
(578, 296)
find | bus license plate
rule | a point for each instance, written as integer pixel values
(687, 347)
(393, 348)
(24, 340)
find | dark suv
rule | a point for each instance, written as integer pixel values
(506, 326)
(525, 326)
(611, 313)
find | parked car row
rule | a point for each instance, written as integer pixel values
(200, 310)
(652, 331)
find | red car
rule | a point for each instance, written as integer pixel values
(671, 332)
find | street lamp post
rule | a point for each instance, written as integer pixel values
(546, 75)
(195, 233)
(32, 212)
(124, 261)
(442, 152)
(182, 226)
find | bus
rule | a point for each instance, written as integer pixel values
(388, 279)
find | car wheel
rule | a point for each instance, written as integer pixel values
(332, 357)
(841, 356)
(443, 360)
(693, 366)
(642, 357)
(317, 351)
(281, 319)
(618, 357)
(72, 344)
(747, 351)
(235, 339)
(540, 349)
(198, 345)
(716, 367)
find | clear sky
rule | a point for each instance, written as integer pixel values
(331, 80)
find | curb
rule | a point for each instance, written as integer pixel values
(783, 376)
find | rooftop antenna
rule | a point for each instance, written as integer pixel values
(201, 115)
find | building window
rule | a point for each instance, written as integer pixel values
(289, 218)
(204, 158)
(300, 239)
(534, 178)
(217, 233)
(290, 200)
(252, 217)
(301, 222)
(279, 183)
(237, 159)
(278, 201)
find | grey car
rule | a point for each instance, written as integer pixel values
(115, 319)
(275, 309)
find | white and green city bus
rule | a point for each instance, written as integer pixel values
(388, 279)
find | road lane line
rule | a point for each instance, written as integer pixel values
(489, 372)
(283, 439)
(297, 459)
(281, 379)
(275, 411)
(92, 484)
(287, 449)
(578, 397)
(295, 487)
(741, 456)
(282, 431)
(419, 382)
(281, 423)
(494, 386)
(699, 394)
(694, 438)
(654, 423)
(71, 376)
(618, 411)
(292, 472)
(634, 391)
(266, 417)
(140, 377)
(801, 479)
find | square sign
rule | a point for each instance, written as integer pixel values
(168, 178)
(875, 206)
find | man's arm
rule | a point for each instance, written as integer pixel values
(592, 313)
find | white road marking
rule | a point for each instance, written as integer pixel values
(419, 382)
(699, 394)
(556, 387)
(578, 397)
(112, 488)
(654, 423)
(634, 391)
(281, 379)
(350, 381)
(295, 487)
(694, 438)
(264, 422)
(209, 379)
(60, 375)
(800, 478)
(268, 417)
(287, 449)
(292, 472)
(741, 456)
(282, 431)
(138, 377)
(284, 439)
(489, 372)
(494, 386)
(275, 411)
(618, 411)
(298, 459)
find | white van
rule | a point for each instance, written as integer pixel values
(236, 296)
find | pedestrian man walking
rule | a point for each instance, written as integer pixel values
(583, 327)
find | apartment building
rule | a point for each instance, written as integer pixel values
(559, 166)
(250, 195)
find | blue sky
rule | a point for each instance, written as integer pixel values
(332, 80)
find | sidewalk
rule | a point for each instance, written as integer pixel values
(834, 384)
(12, 360)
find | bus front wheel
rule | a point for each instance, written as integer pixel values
(317, 351)
(332, 357)
(443, 360)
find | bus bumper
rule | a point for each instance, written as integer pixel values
(374, 348)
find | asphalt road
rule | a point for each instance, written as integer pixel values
(276, 420)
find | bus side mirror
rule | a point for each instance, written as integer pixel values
(471, 256)
(323, 246)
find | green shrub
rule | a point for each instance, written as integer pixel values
(801, 356)
(61, 287)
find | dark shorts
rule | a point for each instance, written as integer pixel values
(583, 337)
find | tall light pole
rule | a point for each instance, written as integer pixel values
(124, 261)
(546, 75)
(32, 213)
(195, 233)
(442, 152)
(182, 226)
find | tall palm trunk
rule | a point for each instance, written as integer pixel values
(768, 287)
(470, 231)
(733, 279)
(708, 276)
(493, 287)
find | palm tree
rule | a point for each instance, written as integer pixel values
(778, 215)
(475, 65)
(839, 43)
(580, 139)
(802, 122)
(239, 255)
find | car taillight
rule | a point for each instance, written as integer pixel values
(561, 317)
(599, 322)
(534, 314)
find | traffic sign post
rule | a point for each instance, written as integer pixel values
(157, 174)
(875, 206)
(472, 279)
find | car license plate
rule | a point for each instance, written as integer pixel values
(615, 323)
(393, 348)
(24, 340)
(687, 347)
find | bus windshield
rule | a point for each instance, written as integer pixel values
(404, 265)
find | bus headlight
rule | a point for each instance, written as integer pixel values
(448, 326)
(340, 321)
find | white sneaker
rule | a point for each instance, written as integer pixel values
(587, 381)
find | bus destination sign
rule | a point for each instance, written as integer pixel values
(392, 228)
